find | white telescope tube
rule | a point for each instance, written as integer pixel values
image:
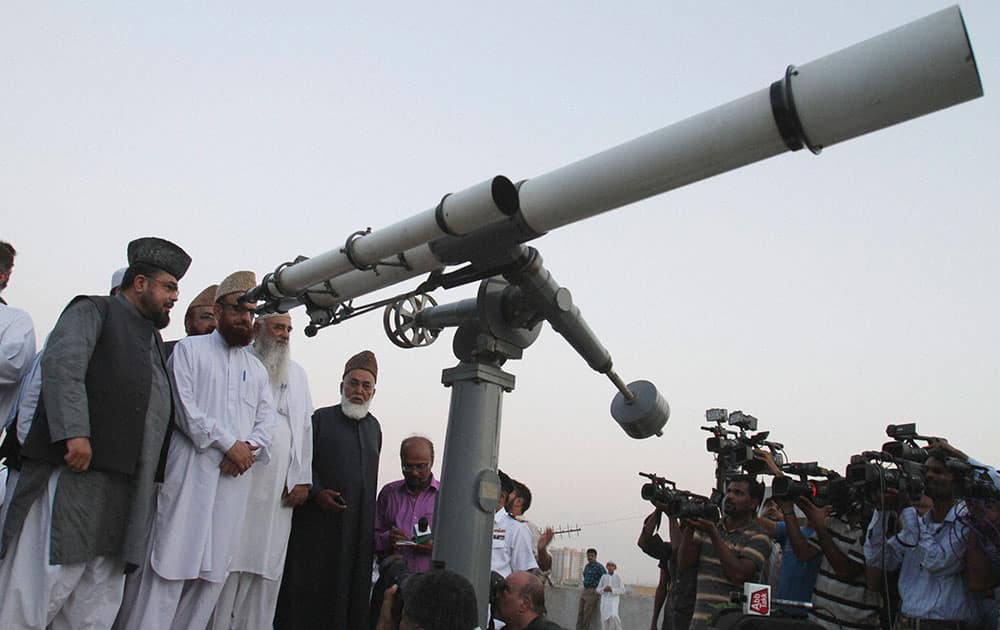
(913, 70)
(357, 283)
(916, 69)
(457, 214)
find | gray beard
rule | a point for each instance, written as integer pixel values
(275, 358)
(352, 411)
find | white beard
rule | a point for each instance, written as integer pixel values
(353, 411)
(275, 358)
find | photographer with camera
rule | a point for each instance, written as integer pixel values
(675, 590)
(436, 600)
(929, 550)
(796, 574)
(840, 597)
(676, 505)
(725, 554)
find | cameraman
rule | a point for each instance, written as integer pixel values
(675, 589)
(930, 550)
(725, 554)
(840, 598)
(436, 600)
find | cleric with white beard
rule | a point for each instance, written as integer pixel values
(328, 568)
(250, 594)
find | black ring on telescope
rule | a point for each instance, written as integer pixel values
(786, 117)
(439, 217)
(349, 250)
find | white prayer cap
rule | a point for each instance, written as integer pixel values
(117, 277)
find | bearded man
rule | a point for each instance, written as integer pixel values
(250, 594)
(224, 424)
(81, 511)
(328, 569)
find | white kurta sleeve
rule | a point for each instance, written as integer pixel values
(264, 421)
(17, 346)
(204, 430)
(302, 475)
(618, 585)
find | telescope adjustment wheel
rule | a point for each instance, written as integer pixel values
(399, 321)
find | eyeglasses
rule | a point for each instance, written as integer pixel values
(415, 467)
(354, 383)
(170, 286)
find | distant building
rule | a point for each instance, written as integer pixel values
(567, 566)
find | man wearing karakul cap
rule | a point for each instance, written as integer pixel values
(80, 514)
(250, 594)
(328, 567)
(224, 424)
(199, 318)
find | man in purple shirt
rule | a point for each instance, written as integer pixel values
(405, 508)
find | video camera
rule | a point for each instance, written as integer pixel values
(871, 472)
(734, 448)
(675, 503)
(828, 491)
(904, 442)
(973, 482)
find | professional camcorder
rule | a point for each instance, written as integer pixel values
(734, 448)
(972, 482)
(682, 504)
(904, 442)
(831, 490)
(877, 472)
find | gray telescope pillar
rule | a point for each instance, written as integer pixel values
(464, 521)
(470, 487)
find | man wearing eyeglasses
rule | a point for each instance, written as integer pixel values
(405, 508)
(328, 568)
(404, 513)
(81, 511)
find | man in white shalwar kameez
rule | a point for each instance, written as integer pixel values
(224, 426)
(250, 594)
(611, 588)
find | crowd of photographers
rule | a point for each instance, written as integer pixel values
(907, 537)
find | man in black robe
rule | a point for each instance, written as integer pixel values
(328, 567)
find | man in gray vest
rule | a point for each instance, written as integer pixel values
(83, 505)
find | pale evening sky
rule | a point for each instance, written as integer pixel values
(828, 296)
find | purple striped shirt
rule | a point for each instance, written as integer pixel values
(396, 507)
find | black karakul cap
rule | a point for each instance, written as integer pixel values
(159, 253)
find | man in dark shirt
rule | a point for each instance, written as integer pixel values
(726, 554)
(675, 591)
(589, 599)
